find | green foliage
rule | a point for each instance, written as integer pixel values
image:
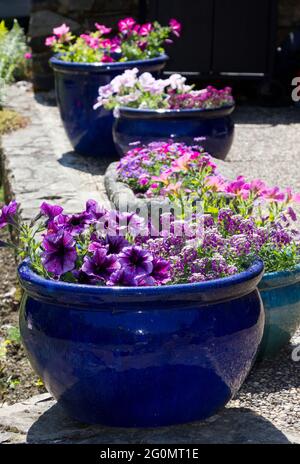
(12, 50)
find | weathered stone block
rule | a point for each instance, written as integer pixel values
(42, 23)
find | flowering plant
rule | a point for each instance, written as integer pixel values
(178, 171)
(144, 91)
(107, 248)
(133, 42)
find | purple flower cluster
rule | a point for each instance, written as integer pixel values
(204, 99)
(90, 246)
(147, 168)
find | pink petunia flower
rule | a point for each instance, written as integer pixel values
(27, 56)
(61, 30)
(50, 41)
(126, 25)
(175, 27)
(273, 194)
(103, 29)
(145, 29)
(107, 59)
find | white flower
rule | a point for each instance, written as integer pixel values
(125, 99)
(146, 80)
(177, 82)
(127, 79)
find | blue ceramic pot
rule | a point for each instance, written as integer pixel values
(77, 84)
(177, 125)
(280, 292)
(147, 356)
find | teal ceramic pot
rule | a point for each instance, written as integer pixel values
(280, 292)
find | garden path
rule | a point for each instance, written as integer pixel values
(38, 163)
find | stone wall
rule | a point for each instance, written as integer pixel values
(80, 15)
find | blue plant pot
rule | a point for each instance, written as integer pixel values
(177, 125)
(280, 292)
(142, 357)
(77, 84)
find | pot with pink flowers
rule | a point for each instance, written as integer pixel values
(82, 64)
(261, 218)
(148, 110)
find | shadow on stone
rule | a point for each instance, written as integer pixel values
(93, 166)
(264, 115)
(232, 425)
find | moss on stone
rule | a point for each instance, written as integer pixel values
(10, 120)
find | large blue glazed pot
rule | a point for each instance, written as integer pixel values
(144, 356)
(280, 292)
(185, 125)
(77, 84)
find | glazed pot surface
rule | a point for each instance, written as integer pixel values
(77, 84)
(214, 126)
(280, 292)
(142, 357)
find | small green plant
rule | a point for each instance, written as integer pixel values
(13, 51)
(13, 334)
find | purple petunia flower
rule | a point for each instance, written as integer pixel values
(60, 253)
(136, 260)
(95, 210)
(100, 266)
(7, 213)
(51, 211)
(123, 278)
(161, 270)
(75, 224)
(115, 244)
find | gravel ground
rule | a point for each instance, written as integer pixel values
(272, 389)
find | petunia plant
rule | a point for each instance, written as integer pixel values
(146, 92)
(133, 42)
(111, 248)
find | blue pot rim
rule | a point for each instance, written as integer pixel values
(205, 113)
(225, 288)
(70, 67)
(280, 278)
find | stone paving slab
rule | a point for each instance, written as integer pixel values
(39, 163)
(40, 420)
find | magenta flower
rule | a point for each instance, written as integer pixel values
(273, 194)
(123, 278)
(100, 266)
(136, 260)
(27, 56)
(50, 41)
(126, 25)
(175, 26)
(145, 29)
(60, 253)
(51, 211)
(7, 213)
(103, 29)
(107, 59)
(61, 30)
